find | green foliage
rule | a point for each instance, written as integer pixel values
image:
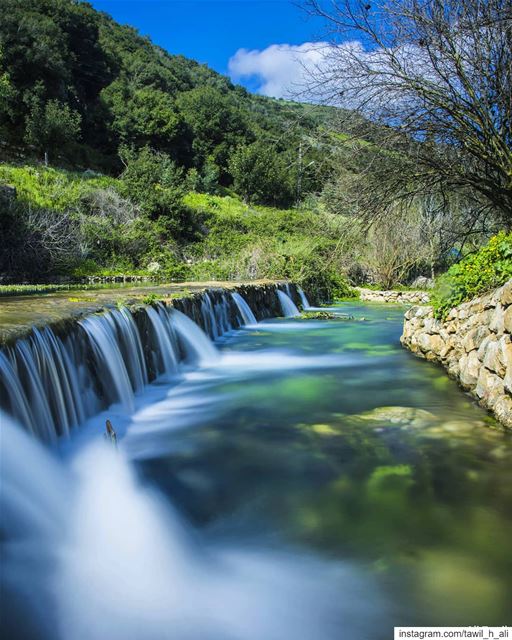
(47, 187)
(477, 273)
(150, 298)
(262, 175)
(144, 116)
(254, 242)
(75, 83)
(51, 126)
(154, 182)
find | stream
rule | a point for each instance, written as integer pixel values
(299, 479)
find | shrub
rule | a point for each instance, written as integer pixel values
(477, 273)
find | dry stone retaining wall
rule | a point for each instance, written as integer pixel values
(474, 344)
(404, 297)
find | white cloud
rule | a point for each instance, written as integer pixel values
(280, 70)
(345, 74)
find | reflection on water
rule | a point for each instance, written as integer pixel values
(314, 482)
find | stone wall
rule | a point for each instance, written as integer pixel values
(473, 343)
(403, 297)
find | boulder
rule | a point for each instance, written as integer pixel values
(489, 387)
(474, 337)
(493, 358)
(507, 319)
(503, 410)
(430, 343)
(497, 323)
(505, 293)
(469, 367)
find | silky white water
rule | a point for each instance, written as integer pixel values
(296, 480)
(245, 310)
(116, 562)
(287, 305)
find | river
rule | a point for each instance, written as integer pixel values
(309, 479)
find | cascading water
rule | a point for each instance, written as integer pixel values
(105, 343)
(91, 554)
(39, 384)
(196, 343)
(167, 354)
(51, 383)
(248, 316)
(304, 299)
(287, 305)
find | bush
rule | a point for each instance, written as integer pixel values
(477, 273)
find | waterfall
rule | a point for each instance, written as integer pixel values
(248, 316)
(208, 314)
(91, 553)
(166, 354)
(51, 382)
(303, 297)
(287, 305)
(105, 343)
(40, 387)
(197, 346)
(133, 353)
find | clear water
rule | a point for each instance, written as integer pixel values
(315, 481)
(327, 435)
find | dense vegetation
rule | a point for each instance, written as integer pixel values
(120, 158)
(477, 273)
(82, 90)
(87, 225)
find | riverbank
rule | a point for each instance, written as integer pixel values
(393, 295)
(473, 343)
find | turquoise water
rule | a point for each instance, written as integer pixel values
(311, 480)
(327, 438)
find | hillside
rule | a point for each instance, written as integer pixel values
(78, 86)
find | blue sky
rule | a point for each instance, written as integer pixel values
(213, 31)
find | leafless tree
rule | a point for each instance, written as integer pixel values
(435, 76)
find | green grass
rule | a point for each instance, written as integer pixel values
(51, 188)
(235, 241)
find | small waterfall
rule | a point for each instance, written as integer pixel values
(104, 339)
(131, 346)
(51, 382)
(303, 297)
(197, 346)
(166, 354)
(248, 316)
(287, 305)
(208, 313)
(41, 384)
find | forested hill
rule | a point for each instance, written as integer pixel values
(82, 88)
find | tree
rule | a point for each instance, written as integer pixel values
(146, 116)
(51, 126)
(157, 185)
(436, 75)
(262, 175)
(218, 125)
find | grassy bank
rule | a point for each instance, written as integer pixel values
(108, 234)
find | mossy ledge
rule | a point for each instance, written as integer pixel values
(261, 297)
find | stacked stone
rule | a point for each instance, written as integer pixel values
(403, 297)
(474, 343)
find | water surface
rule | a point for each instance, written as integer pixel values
(327, 436)
(313, 481)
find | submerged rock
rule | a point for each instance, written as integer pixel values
(400, 416)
